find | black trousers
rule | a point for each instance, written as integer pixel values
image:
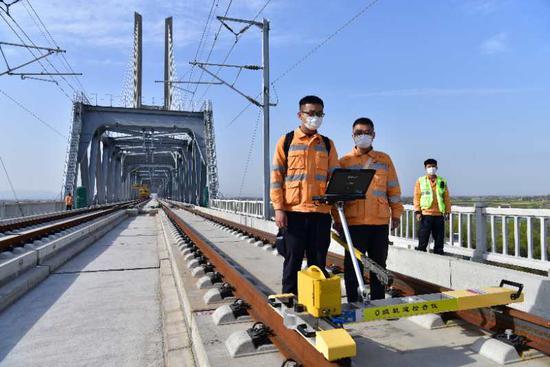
(372, 239)
(307, 233)
(434, 225)
(69, 207)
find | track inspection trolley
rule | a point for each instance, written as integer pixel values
(319, 314)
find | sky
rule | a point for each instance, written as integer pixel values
(463, 81)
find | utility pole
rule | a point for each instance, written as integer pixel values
(264, 104)
(267, 166)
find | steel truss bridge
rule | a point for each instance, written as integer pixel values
(113, 149)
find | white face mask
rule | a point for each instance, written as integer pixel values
(313, 122)
(363, 141)
(431, 171)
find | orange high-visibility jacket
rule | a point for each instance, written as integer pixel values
(434, 209)
(383, 199)
(294, 181)
(68, 200)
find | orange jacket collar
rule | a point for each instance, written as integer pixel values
(358, 153)
(301, 135)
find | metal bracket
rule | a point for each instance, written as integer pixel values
(49, 51)
(226, 290)
(259, 333)
(239, 308)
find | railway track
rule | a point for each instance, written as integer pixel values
(24, 231)
(533, 331)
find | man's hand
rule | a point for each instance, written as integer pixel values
(280, 219)
(419, 216)
(395, 222)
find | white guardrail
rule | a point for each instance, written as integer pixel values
(510, 236)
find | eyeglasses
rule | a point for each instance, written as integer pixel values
(362, 132)
(313, 113)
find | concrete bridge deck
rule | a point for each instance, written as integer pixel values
(130, 300)
(102, 308)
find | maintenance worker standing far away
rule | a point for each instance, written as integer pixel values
(369, 218)
(432, 205)
(302, 164)
(69, 201)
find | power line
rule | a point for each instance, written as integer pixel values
(32, 53)
(33, 114)
(325, 41)
(312, 51)
(52, 39)
(11, 186)
(215, 3)
(260, 11)
(211, 50)
(47, 60)
(250, 149)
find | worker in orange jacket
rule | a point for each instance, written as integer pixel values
(432, 205)
(302, 164)
(369, 218)
(68, 201)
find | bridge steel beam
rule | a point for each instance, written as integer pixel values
(113, 141)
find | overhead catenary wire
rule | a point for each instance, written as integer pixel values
(7, 5)
(33, 114)
(32, 52)
(230, 51)
(47, 60)
(11, 187)
(52, 40)
(311, 51)
(215, 3)
(250, 149)
(205, 32)
(211, 50)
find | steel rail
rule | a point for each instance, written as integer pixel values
(20, 239)
(48, 218)
(289, 342)
(535, 329)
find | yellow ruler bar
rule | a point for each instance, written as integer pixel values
(438, 303)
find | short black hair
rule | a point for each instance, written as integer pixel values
(430, 161)
(363, 121)
(311, 100)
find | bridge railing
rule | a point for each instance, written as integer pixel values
(510, 236)
(253, 208)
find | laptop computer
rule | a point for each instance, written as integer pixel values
(346, 185)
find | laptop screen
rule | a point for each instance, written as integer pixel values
(350, 181)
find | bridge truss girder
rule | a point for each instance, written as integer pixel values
(117, 148)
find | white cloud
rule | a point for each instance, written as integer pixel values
(109, 23)
(480, 6)
(495, 44)
(442, 92)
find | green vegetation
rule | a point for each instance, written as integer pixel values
(524, 202)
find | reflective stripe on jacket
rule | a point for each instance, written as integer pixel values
(424, 199)
(383, 199)
(303, 174)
